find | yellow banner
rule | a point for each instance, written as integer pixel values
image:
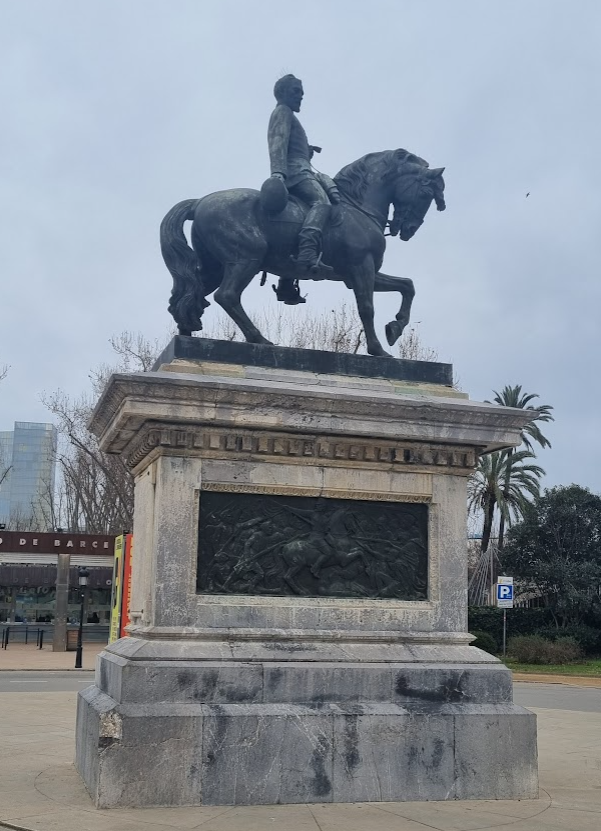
(117, 593)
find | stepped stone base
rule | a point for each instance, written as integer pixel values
(165, 728)
(335, 670)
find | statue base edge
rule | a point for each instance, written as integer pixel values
(269, 356)
(173, 732)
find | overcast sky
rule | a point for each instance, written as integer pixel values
(114, 110)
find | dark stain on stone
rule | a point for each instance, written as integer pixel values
(104, 676)
(215, 731)
(418, 756)
(448, 692)
(351, 743)
(274, 677)
(202, 687)
(106, 741)
(184, 679)
(239, 694)
(438, 753)
(321, 784)
(321, 698)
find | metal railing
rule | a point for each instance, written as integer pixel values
(30, 633)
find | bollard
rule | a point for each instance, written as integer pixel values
(41, 639)
(3, 631)
(6, 634)
(26, 634)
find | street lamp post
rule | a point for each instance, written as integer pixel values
(82, 575)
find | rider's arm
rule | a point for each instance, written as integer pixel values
(278, 136)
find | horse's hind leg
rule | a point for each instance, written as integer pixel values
(236, 278)
(385, 282)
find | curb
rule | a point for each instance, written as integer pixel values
(47, 669)
(567, 680)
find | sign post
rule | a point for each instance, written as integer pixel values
(505, 601)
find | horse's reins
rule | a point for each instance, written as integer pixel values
(379, 219)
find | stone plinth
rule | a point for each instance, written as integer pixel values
(299, 638)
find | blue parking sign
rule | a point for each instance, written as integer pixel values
(505, 595)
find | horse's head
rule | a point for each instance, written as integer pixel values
(415, 188)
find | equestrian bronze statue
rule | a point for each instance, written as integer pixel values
(302, 225)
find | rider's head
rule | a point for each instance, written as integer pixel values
(289, 90)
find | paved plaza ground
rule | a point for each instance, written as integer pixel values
(39, 788)
(20, 656)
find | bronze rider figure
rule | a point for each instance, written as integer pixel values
(290, 156)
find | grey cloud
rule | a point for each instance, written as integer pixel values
(114, 111)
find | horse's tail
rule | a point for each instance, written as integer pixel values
(187, 302)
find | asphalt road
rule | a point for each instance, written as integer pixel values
(544, 696)
(558, 697)
(47, 681)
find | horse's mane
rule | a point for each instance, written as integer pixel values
(353, 179)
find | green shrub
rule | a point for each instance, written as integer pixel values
(519, 621)
(534, 649)
(566, 651)
(588, 637)
(485, 641)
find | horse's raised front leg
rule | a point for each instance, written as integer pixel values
(236, 278)
(362, 281)
(385, 282)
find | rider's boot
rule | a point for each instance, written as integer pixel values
(309, 242)
(288, 291)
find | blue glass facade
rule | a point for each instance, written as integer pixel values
(27, 470)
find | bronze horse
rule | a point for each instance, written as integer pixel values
(234, 238)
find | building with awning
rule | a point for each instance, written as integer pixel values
(28, 574)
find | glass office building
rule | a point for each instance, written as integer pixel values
(27, 474)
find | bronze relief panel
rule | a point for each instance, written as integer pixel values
(308, 546)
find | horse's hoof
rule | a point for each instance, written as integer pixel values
(260, 339)
(393, 332)
(379, 352)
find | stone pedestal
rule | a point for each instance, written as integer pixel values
(262, 664)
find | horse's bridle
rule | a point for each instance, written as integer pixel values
(380, 220)
(400, 217)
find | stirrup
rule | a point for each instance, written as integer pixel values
(289, 293)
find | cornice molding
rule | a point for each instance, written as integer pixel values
(212, 442)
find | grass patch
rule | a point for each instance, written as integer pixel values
(591, 668)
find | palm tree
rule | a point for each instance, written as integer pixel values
(504, 481)
(514, 397)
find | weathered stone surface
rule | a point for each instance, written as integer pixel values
(280, 753)
(345, 743)
(385, 754)
(178, 401)
(496, 752)
(247, 699)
